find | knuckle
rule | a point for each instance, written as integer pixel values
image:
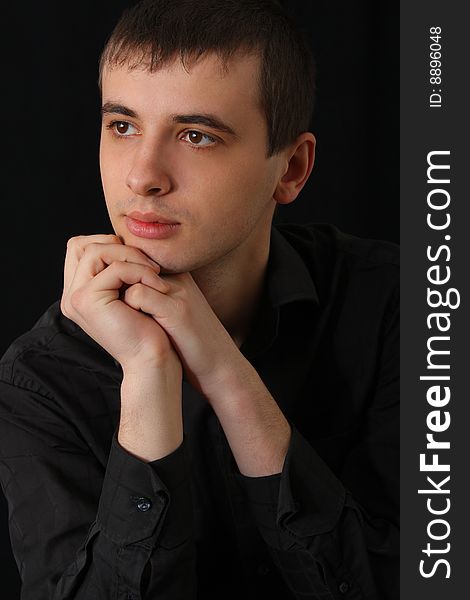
(134, 292)
(74, 241)
(116, 265)
(85, 241)
(91, 249)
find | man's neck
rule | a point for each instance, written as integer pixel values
(234, 286)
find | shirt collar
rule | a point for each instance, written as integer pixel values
(287, 281)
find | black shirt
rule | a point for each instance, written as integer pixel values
(88, 520)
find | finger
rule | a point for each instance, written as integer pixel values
(149, 300)
(121, 273)
(97, 257)
(75, 248)
(105, 286)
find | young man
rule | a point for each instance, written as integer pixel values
(213, 410)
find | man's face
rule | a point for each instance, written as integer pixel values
(215, 187)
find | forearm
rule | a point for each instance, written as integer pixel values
(151, 422)
(255, 427)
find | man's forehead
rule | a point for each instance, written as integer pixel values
(239, 73)
(205, 85)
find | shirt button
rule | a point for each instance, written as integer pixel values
(343, 587)
(144, 504)
(263, 570)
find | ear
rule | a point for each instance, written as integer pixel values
(300, 158)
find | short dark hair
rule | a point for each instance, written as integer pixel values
(153, 32)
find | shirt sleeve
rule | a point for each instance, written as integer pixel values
(80, 533)
(335, 535)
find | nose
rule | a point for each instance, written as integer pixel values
(149, 175)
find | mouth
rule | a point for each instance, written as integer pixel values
(150, 217)
(150, 225)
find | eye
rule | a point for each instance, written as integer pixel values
(194, 137)
(120, 128)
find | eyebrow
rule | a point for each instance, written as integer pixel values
(207, 119)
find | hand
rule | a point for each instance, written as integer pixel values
(98, 269)
(256, 430)
(204, 346)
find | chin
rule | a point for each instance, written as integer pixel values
(164, 256)
(168, 267)
(145, 246)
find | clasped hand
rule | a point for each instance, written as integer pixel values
(116, 294)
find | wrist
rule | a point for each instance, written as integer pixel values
(151, 419)
(231, 377)
(163, 366)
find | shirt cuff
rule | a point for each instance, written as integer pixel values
(304, 500)
(146, 502)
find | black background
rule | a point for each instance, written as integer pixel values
(51, 184)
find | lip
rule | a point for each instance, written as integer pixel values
(150, 217)
(146, 227)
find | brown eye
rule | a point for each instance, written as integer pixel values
(121, 127)
(195, 138)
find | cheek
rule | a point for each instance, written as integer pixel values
(247, 185)
(252, 172)
(243, 176)
(234, 205)
(112, 170)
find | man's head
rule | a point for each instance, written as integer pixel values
(154, 32)
(170, 71)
